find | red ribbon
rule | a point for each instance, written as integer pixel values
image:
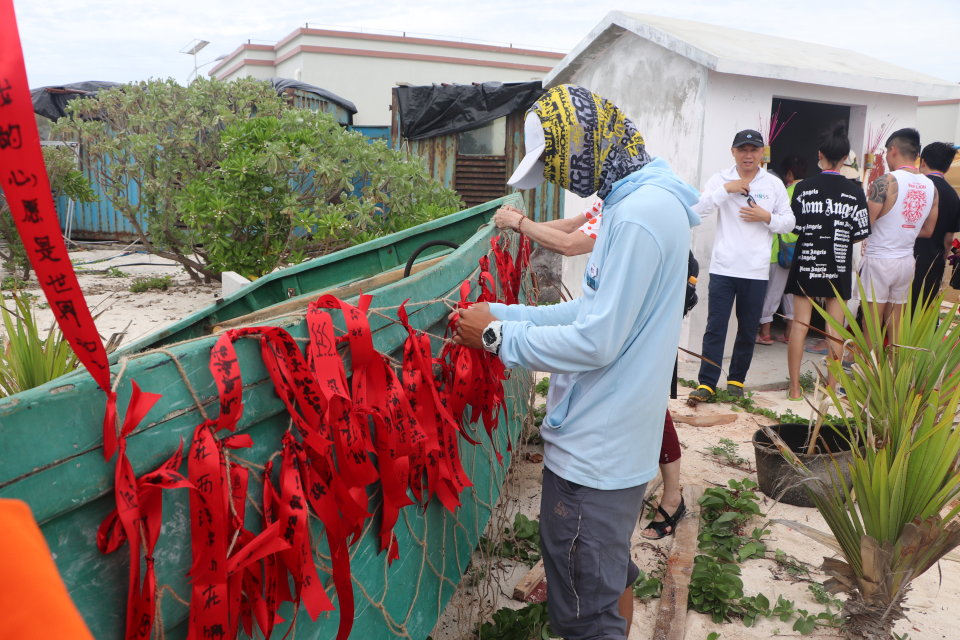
(138, 516)
(27, 189)
(399, 440)
(446, 477)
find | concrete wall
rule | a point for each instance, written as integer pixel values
(364, 67)
(939, 121)
(662, 92)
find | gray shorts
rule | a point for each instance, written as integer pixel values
(585, 542)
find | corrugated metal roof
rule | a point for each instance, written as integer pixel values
(747, 53)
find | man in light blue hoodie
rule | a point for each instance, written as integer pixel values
(612, 349)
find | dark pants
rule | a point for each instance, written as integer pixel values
(927, 278)
(585, 542)
(722, 293)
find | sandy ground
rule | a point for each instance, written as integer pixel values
(117, 309)
(932, 601)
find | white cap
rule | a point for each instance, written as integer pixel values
(529, 172)
(850, 169)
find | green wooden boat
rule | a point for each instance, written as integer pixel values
(51, 445)
(370, 263)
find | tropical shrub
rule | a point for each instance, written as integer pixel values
(224, 176)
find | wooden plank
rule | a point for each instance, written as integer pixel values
(536, 577)
(300, 304)
(672, 615)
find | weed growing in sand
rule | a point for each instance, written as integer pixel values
(115, 272)
(520, 542)
(161, 283)
(808, 380)
(517, 624)
(725, 452)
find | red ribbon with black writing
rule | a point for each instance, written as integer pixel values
(399, 440)
(138, 517)
(24, 179)
(446, 477)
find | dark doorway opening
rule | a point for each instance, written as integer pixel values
(800, 136)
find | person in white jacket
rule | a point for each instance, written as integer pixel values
(751, 206)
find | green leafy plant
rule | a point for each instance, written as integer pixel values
(808, 381)
(725, 452)
(542, 386)
(893, 520)
(224, 176)
(30, 357)
(115, 272)
(647, 587)
(520, 542)
(65, 180)
(528, 623)
(160, 283)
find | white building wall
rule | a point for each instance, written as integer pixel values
(363, 68)
(939, 122)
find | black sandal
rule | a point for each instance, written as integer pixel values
(660, 527)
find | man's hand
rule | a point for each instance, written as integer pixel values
(738, 186)
(470, 324)
(507, 217)
(756, 213)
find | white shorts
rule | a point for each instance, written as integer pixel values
(885, 279)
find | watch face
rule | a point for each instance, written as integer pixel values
(489, 336)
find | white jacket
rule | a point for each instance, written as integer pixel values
(742, 249)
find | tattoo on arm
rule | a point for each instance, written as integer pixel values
(878, 190)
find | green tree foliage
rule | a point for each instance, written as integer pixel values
(224, 176)
(65, 180)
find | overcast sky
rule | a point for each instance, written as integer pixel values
(125, 40)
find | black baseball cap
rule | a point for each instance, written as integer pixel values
(748, 136)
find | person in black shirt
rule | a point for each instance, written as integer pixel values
(935, 160)
(831, 214)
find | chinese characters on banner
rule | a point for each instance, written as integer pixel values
(24, 180)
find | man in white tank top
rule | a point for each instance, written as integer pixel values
(903, 206)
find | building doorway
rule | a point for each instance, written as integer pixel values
(801, 134)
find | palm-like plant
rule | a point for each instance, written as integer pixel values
(27, 357)
(891, 520)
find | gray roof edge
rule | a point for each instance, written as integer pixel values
(620, 22)
(616, 23)
(850, 81)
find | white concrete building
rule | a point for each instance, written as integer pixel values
(363, 67)
(690, 86)
(939, 120)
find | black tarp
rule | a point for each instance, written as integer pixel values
(51, 102)
(436, 110)
(281, 84)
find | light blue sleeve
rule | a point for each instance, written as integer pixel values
(603, 324)
(563, 313)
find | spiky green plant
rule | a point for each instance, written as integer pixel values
(892, 521)
(30, 357)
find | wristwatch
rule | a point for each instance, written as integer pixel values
(492, 337)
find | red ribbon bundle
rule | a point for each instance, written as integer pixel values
(399, 440)
(138, 516)
(446, 477)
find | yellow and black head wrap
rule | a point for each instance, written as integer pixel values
(589, 142)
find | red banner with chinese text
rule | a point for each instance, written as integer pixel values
(23, 176)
